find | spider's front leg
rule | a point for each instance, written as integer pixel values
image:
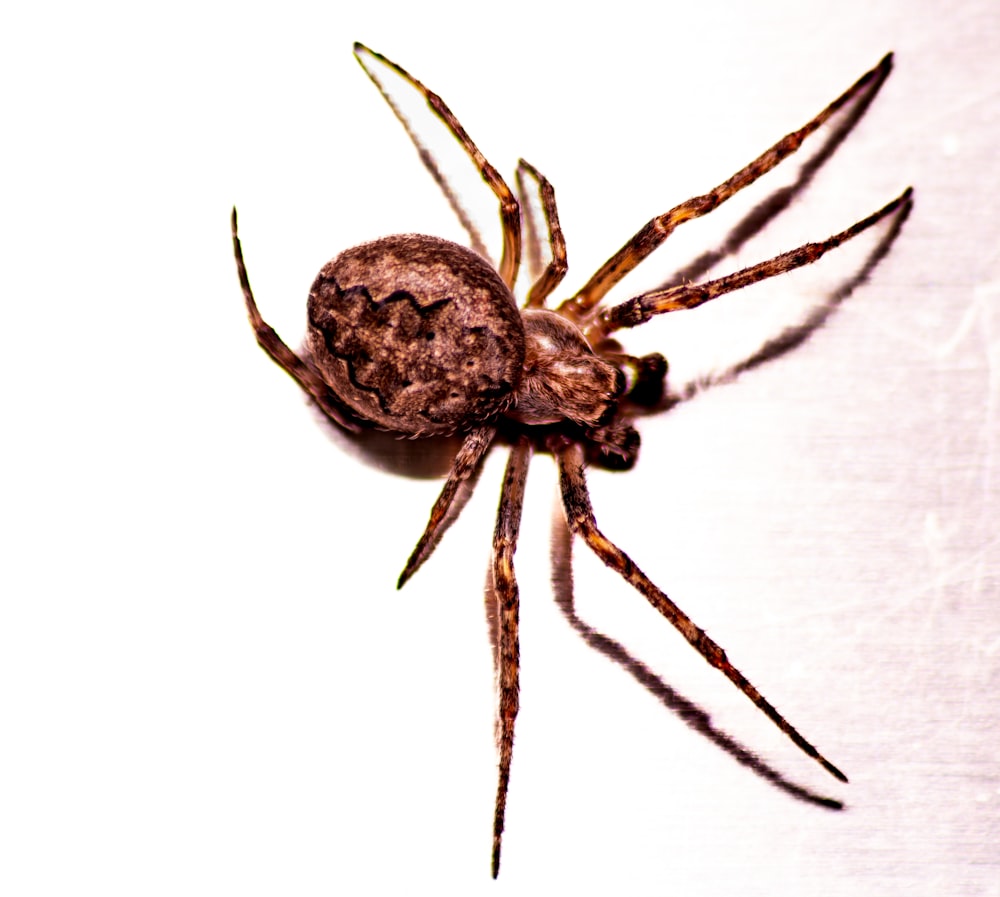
(580, 517)
(796, 334)
(507, 652)
(653, 234)
(642, 308)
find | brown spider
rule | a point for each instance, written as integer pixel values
(420, 336)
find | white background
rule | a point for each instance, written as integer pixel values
(208, 683)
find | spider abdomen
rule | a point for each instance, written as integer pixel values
(418, 335)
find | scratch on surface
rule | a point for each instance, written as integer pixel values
(982, 297)
(979, 318)
(977, 308)
(947, 571)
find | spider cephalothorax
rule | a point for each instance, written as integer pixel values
(420, 336)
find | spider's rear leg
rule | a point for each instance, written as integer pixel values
(544, 282)
(510, 214)
(444, 511)
(507, 651)
(580, 517)
(270, 342)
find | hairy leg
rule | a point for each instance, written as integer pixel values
(508, 662)
(270, 342)
(464, 466)
(580, 517)
(658, 229)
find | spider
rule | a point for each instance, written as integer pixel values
(420, 336)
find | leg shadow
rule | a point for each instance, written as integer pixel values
(763, 213)
(689, 712)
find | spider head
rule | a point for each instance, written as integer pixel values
(562, 379)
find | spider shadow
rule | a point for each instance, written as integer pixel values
(690, 713)
(427, 458)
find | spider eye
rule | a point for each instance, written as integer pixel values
(647, 379)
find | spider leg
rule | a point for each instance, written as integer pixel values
(544, 282)
(580, 517)
(464, 466)
(765, 211)
(507, 655)
(686, 710)
(271, 343)
(532, 254)
(476, 240)
(510, 215)
(640, 309)
(658, 229)
(796, 334)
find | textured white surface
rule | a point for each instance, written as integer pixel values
(207, 681)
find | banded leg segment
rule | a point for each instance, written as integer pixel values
(295, 367)
(544, 281)
(658, 229)
(510, 215)
(508, 653)
(464, 466)
(640, 309)
(580, 517)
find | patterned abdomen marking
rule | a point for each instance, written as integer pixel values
(417, 334)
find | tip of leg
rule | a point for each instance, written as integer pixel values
(413, 564)
(901, 205)
(830, 768)
(495, 866)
